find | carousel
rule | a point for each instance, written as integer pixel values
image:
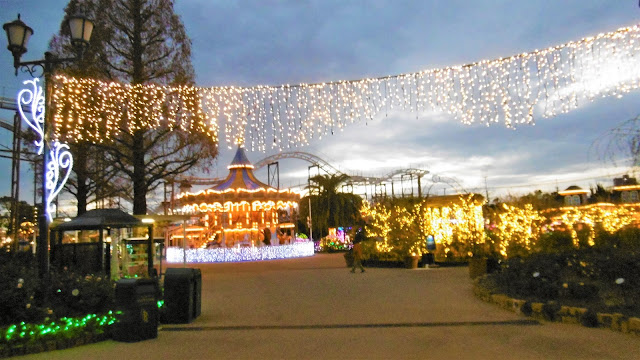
(239, 219)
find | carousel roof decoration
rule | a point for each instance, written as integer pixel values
(240, 185)
(240, 175)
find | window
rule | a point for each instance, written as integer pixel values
(629, 196)
(572, 200)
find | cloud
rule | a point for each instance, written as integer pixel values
(279, 42)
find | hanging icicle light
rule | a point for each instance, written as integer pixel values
(506, 90)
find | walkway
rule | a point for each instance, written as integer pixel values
(313, 308)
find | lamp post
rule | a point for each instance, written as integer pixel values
(55, 155)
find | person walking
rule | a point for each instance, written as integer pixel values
(357, 250)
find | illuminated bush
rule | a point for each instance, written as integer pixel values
(400, 228)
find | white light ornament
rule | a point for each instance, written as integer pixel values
(35, 99)
(58, 157)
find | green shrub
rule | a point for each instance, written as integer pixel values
(19, 288)
(629, 239)
(72, 294)
(23, 297)
(550, 310)
(553, 242)
(604, 278)
(526, 309)
(589, 319)
(579, 291)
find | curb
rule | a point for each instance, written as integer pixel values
(552, 311)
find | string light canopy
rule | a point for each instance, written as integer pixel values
(507, 90)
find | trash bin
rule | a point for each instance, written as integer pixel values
(427, 259)
(182, 295)
(197, 293)
(137, 306)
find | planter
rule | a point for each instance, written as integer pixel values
(51, 345)
(34, 348)
(477, 267)
(411, 262)
(5, 351)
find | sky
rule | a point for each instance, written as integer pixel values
(269, 42)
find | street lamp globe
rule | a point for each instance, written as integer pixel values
(18, 34)
(81, 28)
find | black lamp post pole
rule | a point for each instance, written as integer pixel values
(47, 65)
(18, 34)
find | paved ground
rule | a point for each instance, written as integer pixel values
(313, 308)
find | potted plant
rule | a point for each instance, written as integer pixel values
(411, 261)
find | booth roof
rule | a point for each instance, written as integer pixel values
(100, 219)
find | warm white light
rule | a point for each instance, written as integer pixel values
(505, 90)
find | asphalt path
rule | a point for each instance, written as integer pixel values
(314, 308)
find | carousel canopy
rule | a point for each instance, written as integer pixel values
(239, 185)
(240, 175)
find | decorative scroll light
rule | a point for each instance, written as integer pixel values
(35, 98)
(58, 157)
(508, 90)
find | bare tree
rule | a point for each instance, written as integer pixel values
(620, 144)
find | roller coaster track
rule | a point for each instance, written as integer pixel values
(322, 164)
(325, 166)
(359, 179)
(9, 104)
(330, 169)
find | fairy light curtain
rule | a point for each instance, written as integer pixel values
(507, 90)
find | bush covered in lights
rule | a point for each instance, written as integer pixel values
(398, 228)
(462, 227)
(76, 308)
(332, 245)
